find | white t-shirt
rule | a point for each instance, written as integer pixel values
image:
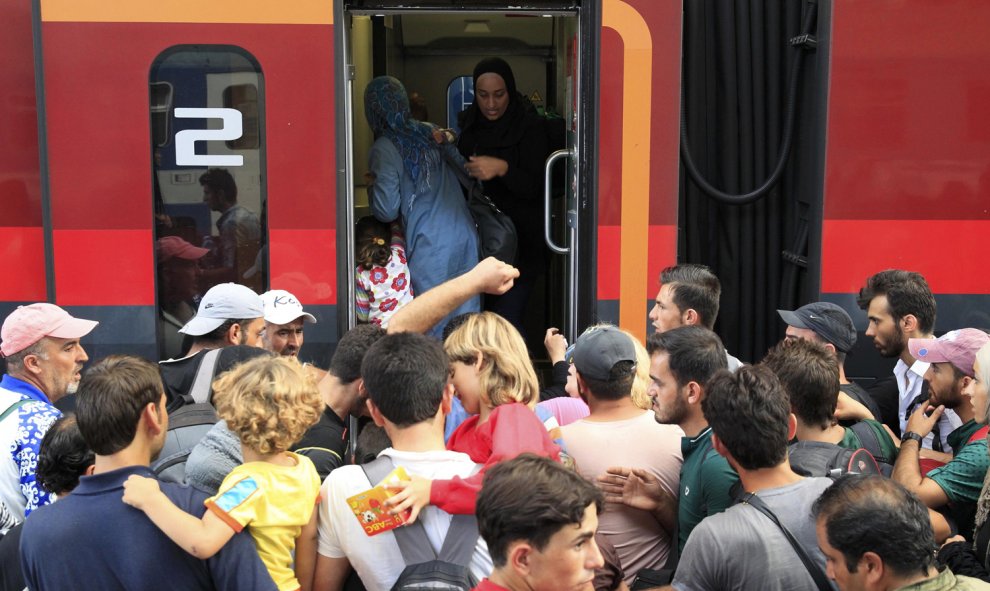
(377, 559)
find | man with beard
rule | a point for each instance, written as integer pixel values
(284, 325)
(682, 360)
(959, 482)
(900, 306)
(229, 314)
(121, 415)
(284, 320)
(44, 358)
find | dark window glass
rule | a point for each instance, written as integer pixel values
(207, 113)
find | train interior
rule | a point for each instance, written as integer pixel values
(434, 55)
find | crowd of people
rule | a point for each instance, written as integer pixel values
(669, 463)
(779, 474)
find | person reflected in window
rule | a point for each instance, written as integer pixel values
(178, 289)
(238, 228)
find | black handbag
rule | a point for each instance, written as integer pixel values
(497, 235)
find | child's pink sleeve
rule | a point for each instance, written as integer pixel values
(515, 429)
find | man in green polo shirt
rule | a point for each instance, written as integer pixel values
(958, 483)
(681, 362)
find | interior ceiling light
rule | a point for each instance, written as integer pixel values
(478, 26)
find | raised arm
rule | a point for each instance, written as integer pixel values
(420, 315)
(907, 470)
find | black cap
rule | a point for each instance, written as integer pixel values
(829, 321)
(599, 349)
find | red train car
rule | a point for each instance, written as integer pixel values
(113, 110)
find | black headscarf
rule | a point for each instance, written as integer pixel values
(508, 129)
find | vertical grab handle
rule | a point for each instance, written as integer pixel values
(547, 170)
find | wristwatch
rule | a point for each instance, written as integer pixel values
(911, 435)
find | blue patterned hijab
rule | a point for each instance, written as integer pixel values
(386, 105)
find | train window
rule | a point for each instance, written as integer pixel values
(207, 118)
(460, 95)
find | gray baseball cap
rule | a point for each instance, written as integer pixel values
(599, 349)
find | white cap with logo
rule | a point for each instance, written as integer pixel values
(223, 302)
(281, 307)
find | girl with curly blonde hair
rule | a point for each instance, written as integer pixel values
(269, 402)
(494, 379)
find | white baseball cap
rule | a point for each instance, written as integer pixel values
(223, 302)
(281, 307)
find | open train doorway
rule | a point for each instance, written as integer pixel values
(433, 51)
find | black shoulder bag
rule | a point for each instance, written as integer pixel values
(496, 233)
(821, 581)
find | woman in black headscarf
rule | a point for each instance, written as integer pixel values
(505, 143)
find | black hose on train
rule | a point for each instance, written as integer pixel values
(804, 41)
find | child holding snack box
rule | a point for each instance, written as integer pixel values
(269, 403)
(495, 381)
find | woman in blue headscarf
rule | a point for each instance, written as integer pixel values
(411, 180)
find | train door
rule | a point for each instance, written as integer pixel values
(433, 52)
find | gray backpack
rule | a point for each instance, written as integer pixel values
(188, 424)
(425, 569)
(814, 458)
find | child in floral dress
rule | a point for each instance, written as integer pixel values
(382, 273)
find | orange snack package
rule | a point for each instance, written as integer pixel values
(369, 506)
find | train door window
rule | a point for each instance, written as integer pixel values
(460, 95)
(208, 161)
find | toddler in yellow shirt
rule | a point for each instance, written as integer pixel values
(269, 403)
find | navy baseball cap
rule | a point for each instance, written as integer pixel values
(829, 321)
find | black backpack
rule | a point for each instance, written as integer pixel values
(870, 441)
(425, 569)
(815, 458)
(189, 423)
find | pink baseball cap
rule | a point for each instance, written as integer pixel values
(957, 347)
(171, 247)
(29, 324)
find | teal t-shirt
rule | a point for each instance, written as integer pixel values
(706, 479)
(962, 478)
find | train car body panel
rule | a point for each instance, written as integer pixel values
(22, 236)
(907, 168)
(99, 160)
(638, 166)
